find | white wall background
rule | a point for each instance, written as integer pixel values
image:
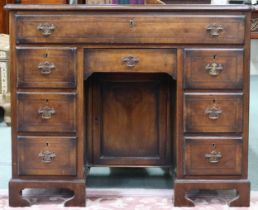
(254, 57)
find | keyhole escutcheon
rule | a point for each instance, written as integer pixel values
(132, 23)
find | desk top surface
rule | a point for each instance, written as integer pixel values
(174, 7)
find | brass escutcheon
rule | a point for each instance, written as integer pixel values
(132, 23)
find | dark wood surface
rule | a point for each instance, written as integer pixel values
(132, 90)
(4, 20)
(56, 67)
(220, 9)
(229, 63)
(33, 112)
(213, 112)
(141, 29)
(131, 117)
(61, 162)
(199, 159)
(117, 60)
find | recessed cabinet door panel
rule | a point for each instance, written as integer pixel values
(46, 155)
(131, 120)
(213, 156)
(46, 112)
(213, 112)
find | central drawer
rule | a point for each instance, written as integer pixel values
(130, 60)
(130, 28)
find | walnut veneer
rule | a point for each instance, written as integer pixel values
(126, 86)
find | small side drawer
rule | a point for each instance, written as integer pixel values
(46, 155)
(130, 60)
(46, 112)
(127, 27)
(213, 112)
(46, 67)
(213, 68)
(213, 156)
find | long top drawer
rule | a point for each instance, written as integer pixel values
(130, 28)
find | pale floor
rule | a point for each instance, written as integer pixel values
(140, 178)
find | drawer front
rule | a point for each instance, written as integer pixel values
(130, 60)
(46, 155)
(211, 156)
(128, 28)
(46, 112)
(213, 68)
(46, 67)
(213, 112)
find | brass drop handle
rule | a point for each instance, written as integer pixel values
(46, 29)
(130, 61)
(46, 112)
(214, 69)
(213, 112)
(214, 29)
(214, 156)
(46, 68)
(46, 156)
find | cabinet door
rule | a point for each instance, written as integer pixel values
(131, 120)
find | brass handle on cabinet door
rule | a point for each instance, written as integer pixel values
(46, 156)
(46, 29)
(214, 69)
(46, 112)
(46, 67)
(130, 61)
(213, 156)
(213, 112)
(214, 29)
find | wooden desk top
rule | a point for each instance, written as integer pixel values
(175, 7)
